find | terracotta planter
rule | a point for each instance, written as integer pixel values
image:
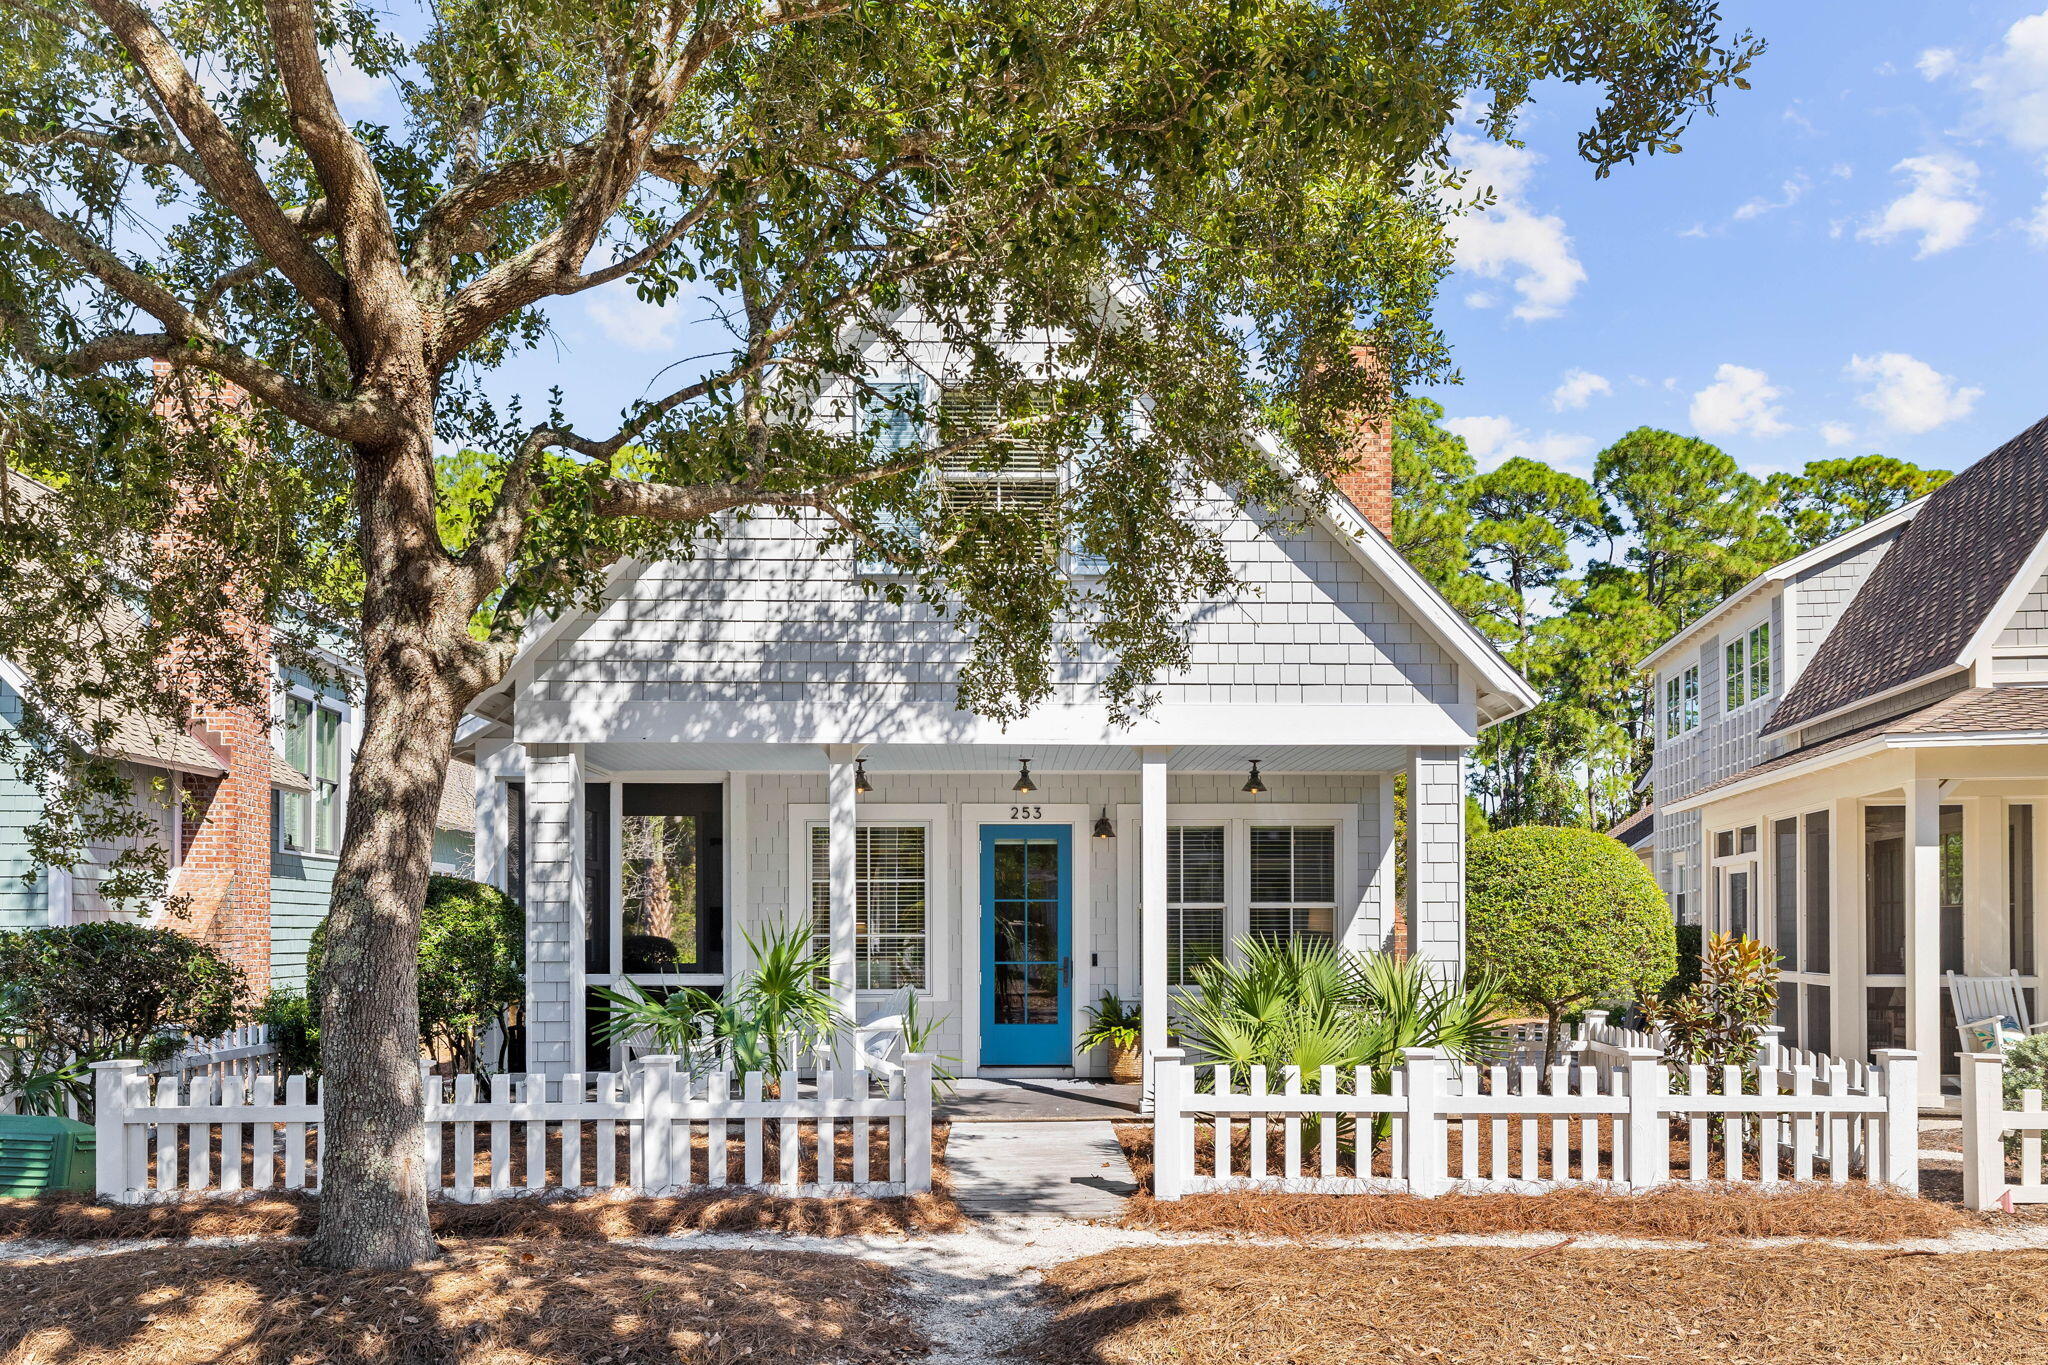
(1126, 1066)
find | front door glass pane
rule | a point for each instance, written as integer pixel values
(1027, 931)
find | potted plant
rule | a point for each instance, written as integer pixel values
(1114, 1025)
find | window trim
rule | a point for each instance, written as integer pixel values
(1680, 702)
(1744, 643)
(344, 741)
(942, 905)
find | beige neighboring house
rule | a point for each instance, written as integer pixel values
(1852, 762)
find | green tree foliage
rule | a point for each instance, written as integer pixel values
(1564, 917)
(1206, 205)
(1719, 1019)
(1830, 497)
(110, 988)
(472, 969)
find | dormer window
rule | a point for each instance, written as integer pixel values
(1749, 667)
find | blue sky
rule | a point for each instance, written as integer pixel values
(1852, 257)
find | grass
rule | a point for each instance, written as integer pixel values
(482, 1304)
(1224, 1305)
(1713, 1213)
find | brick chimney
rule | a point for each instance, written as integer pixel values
(1366, 478)
(224, 856)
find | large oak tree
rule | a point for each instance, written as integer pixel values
(238, 326)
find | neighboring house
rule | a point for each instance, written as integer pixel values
(748, 739)
(1852, 760)
(1638, 834)
(248, 809)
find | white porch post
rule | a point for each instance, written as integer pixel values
(1152, 905)
(1923, 930)
(1847, 948)
(841, 817)
(555, 909)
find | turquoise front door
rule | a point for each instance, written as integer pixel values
(1027, 965)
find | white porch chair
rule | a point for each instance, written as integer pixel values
(1981, 999)
(878, 1041)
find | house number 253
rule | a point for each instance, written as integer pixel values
(1027, 812)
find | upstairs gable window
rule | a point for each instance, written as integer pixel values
(1018, 474)
(1682, 702)
(1748, 667)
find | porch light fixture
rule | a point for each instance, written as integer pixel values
(1024, 785)
(1103, 828)
(861, 785)
(1252, 785)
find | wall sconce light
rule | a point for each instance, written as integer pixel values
(1103, 828)
(1024, 785)
(861, 785)
(1252, 785)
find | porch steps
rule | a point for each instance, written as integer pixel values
(1064, 1170)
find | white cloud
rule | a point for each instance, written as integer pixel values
(1936, 62)
(355, 90)
(1837, 433)
(1510, 241)
(1909, 395)
(1740, 402)
(1789, 193)
(1494, 441)
(1577, 389)
(2011, 84)
(631, 322)
(1481, 298)
(1941, 207)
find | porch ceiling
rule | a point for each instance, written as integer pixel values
(992, 758)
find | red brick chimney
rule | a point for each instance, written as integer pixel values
(224, 864)
(1366, 479)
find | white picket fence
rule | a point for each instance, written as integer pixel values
(245, 1053)
(1614, 1121)
(654, 1130)
(1989, 1180)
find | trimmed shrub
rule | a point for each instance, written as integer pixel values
(288, 1014)
(112, 988)
(472, 963)
(1563, 917)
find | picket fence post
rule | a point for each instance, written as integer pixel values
(1169, 1104)
(1649, 1132)
(1428, 1083)
(655, 1089)
(1591, 1022)
(113, 1088)
(917, 1122)
(1901, 1080)
(1983, 1129)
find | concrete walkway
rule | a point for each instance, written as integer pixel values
(1065, 1170)
(985, 1100)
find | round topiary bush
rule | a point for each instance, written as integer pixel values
(108, 989)
(472, 963)
(1563, 917)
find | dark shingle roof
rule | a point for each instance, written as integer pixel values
(1973, 711)
(1636, 828)
(1934, 588)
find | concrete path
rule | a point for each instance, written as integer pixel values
(978, 1100)
(1068, 1170)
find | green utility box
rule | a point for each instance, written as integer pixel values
(44, 1155)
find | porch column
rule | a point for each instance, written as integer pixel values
(1987, 931)
(1436, 858)
(1153, 994)
(839, 849)
(1923, 931)
(555, 909)
(1848, 948)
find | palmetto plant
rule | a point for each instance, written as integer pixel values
(1308, 1004)
(771, 1015)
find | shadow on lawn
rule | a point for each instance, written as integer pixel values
(505, 1304)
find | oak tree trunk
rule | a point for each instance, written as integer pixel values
(373, 1200)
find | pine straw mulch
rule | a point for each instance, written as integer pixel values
(531, 1217)
(482, 1304)
(1211, 1305)
(1852, 1212)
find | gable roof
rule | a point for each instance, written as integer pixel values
(1924, 605)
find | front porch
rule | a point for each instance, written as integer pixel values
(1876, 874)
(926, 872)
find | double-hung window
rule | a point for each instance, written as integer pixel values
(1748, 667)
(1013, 474)
(1682, 702)
(310, 821)
(891, 885)
(1294, 881)
(1196, 903)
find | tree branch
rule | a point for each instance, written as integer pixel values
(233, 180)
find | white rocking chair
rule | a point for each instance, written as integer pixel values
(1980, 1000)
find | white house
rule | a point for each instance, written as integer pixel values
(747, 738)
(1852, 761)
